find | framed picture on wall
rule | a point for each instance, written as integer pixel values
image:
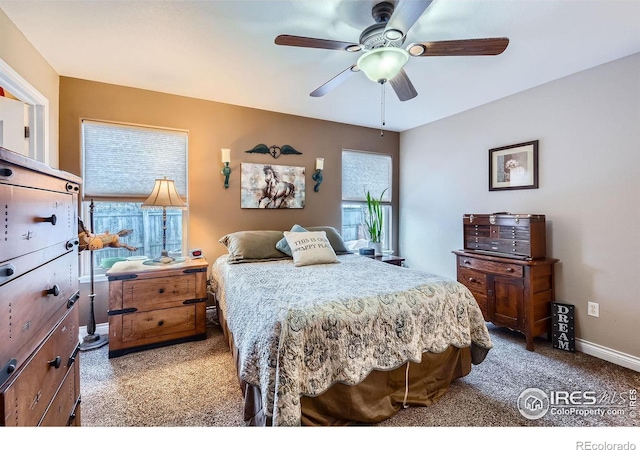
(268, 186)
(514, 167)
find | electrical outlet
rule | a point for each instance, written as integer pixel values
(593, 309)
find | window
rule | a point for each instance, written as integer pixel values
(362, 172)
(120, 166)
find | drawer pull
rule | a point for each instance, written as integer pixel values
(7, 370)
(53, 219)
(161, 290)
(509, 269)
(466, 261)
(7, 270)
(55, 290)
(472, 280)
(161, 323)
(71, 243)
(73, 299)
(72, 187)
(6, 172)
(56, 362)
(73, 356)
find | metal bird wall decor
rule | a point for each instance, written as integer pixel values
(274, 150)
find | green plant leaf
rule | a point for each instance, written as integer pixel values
(374, 219)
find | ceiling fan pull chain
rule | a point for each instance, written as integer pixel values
(382, 101)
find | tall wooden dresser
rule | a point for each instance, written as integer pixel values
(39, 358)
(504, 266)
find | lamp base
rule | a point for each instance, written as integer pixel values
(164, 258)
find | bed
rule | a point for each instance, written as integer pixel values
(344, 340)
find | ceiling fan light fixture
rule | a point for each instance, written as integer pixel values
(416, 49)
(393, 35)
(383, 63)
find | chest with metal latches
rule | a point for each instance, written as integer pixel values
(518, 236)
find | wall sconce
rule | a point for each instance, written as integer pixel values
(317, 175)
(226, 171)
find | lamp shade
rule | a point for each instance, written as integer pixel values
(164, 194)
(384, 63)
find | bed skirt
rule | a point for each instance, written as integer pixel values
(378, 397)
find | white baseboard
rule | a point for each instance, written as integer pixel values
(607, 354)
(101, 328)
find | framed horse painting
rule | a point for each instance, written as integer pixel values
(268, 186)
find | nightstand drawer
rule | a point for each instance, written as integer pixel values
(158, 293)
(158, 324)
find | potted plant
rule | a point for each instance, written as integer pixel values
(373, 221)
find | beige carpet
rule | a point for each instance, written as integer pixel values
(195, 385)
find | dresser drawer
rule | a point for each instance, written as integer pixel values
(34, 219)
(156, 293)
(32, 304)
(63, 405)
(22, 176)
(513, 270)
(158, 325)
(28, 395)
(472, 279)
(15, 268)
(476, 282)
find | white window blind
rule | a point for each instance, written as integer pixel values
(362, 172)
(123, 161)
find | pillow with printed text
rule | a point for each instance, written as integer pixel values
(310, 247)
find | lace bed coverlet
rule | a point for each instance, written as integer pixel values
(301, 329)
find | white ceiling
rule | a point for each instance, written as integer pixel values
(224, 50)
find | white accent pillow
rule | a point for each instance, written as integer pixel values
(310, 247)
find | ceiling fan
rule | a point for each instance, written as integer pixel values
(384, 53)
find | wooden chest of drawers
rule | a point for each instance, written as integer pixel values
(512, 293)
(39, 365)
(519, 236)
(154, 305)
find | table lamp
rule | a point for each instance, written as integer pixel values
(164, 195)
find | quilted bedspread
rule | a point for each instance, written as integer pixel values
(299, 330)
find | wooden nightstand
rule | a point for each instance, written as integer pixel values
(156, 305)
(389, 259)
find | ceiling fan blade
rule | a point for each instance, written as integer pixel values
(403, 87)
(301, 41)
(463, 47)
(405, 14)
(334, 82)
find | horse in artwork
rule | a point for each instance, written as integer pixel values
(90, 241)
(276, 192)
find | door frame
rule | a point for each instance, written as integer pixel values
(38, 113)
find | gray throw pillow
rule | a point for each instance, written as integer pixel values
(335, 239)
(253, 246)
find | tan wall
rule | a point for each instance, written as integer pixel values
(17, 52)
(213, 210)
